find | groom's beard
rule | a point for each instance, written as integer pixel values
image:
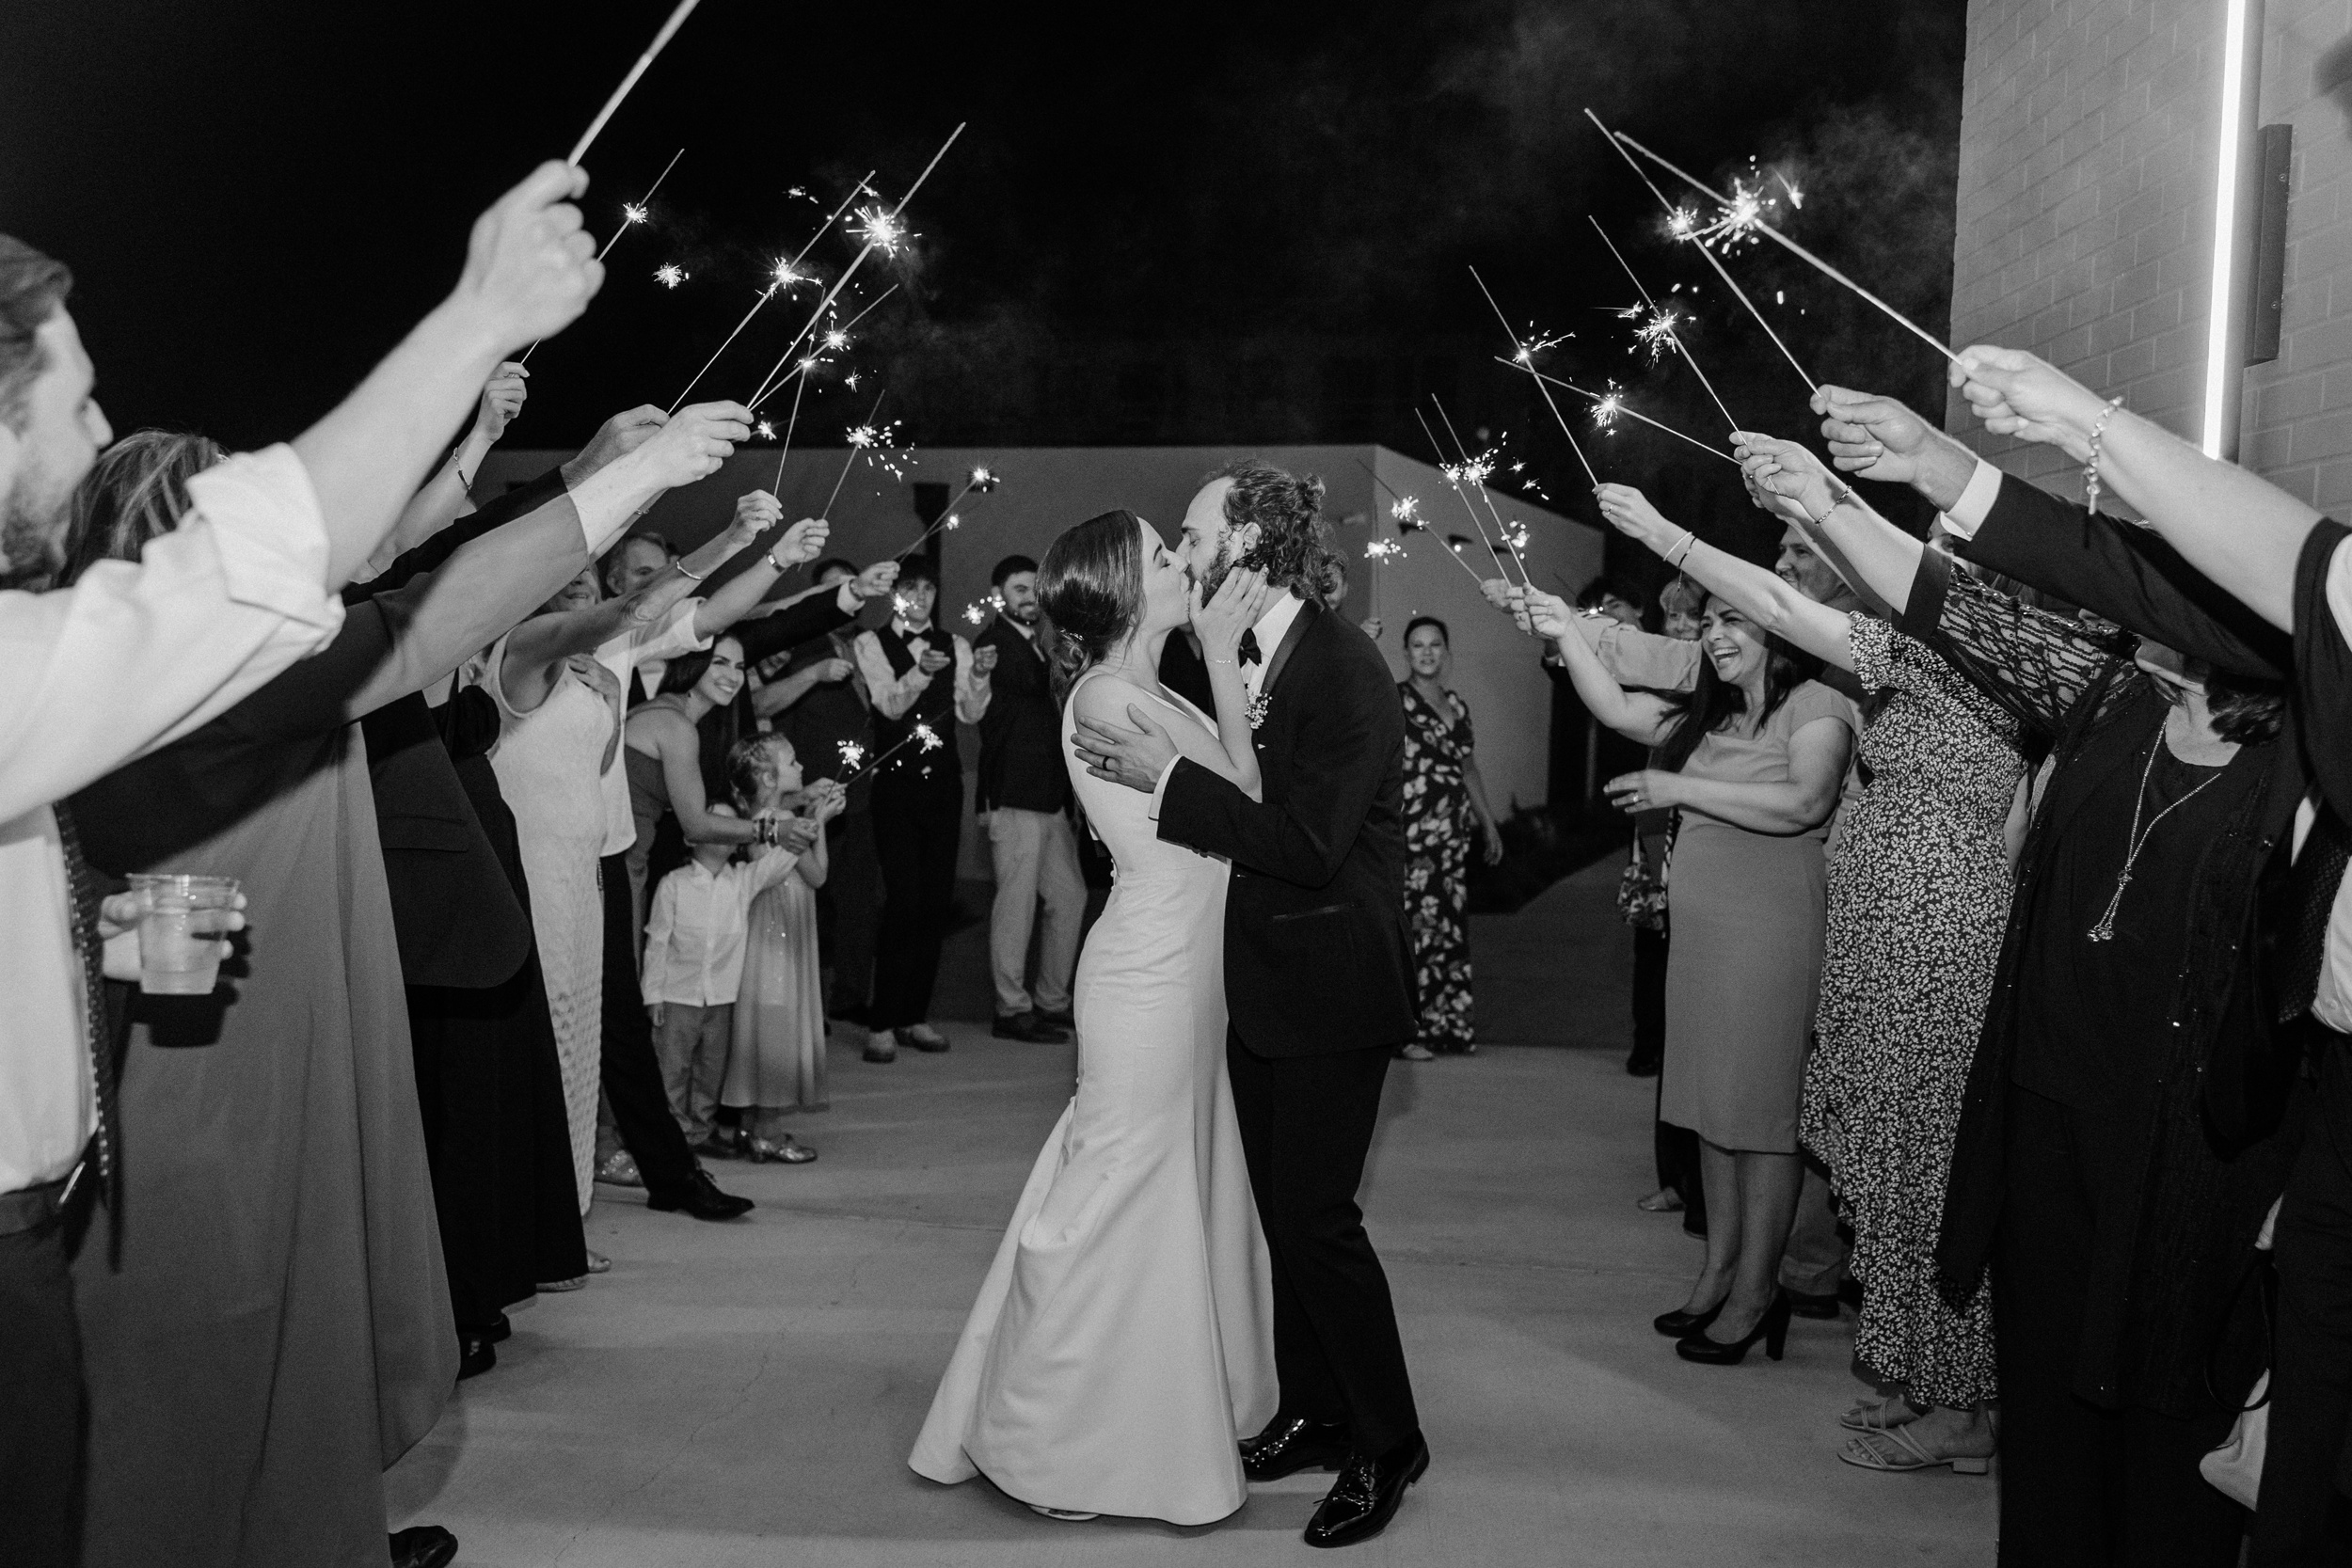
(31, 538)
(1209, 580)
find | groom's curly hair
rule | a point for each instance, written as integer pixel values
(1289, 514)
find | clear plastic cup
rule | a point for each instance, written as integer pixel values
(180, 932)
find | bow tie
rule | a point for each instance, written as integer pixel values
(1249, 654)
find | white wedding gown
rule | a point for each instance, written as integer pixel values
(1122, 1341)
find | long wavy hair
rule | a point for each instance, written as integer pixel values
(1091, 591)
(1713, 703)
(137, 491)
(1288, 510)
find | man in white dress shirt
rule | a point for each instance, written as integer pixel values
(131, 657)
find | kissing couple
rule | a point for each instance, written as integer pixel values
(1186, 1300)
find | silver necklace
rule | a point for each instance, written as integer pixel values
(2137, 840)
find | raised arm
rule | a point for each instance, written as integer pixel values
(2229, 523)
(2037, 666)
(446, 495)
(1635, 715)
(2127, 575)
(735, 598)
(1764, 599)
(1792, 483)
(529, 270)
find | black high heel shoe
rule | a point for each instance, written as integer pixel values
(1676, 1324)
(1773, 1328)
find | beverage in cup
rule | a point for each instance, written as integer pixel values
(182, 919)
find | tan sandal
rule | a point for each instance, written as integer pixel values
(1896, 1450)
(1871, 1415)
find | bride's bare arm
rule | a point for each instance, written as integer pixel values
(1110, 702)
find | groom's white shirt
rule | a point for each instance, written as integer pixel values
(1269, 629)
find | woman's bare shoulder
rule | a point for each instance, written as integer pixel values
(1105, 698)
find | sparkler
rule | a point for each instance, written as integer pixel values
(976, 611)
(882, 230)
(1524, 353)
(856, 262)
(860, 438)
(781, 276)
(1621, 142)
(660, 41)
(983, 480)
(922, 732)
(631, 213)
(1406, 512)
(1657, 331)
(669, 275)
(1453, 481)
(852, 755)
(1477, 470)
(1609, 405)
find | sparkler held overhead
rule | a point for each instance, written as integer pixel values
(833, 339)
(1657, 331)
(1754, 222)
(632, 214)
(1454, 473)
(890, 230)
(1676, 220)
(1404, 511)
(660, 41)
(862, 439)
(1525, 352)
(1607, 407)
(981, 480)
(1477, 470)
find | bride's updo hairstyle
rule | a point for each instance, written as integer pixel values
(1091, 589)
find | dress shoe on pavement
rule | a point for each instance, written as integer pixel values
(1029, 1028)
(702, 1199)
(475, 1355)
(1058, 1017)
(1367, 1495)
(923, 1038)
(882, 1046)
(1291, 1444)
(620, 1171)
(421, 1546)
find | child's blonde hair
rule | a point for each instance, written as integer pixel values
(752, 769)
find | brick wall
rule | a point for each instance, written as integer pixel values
(2086, 215)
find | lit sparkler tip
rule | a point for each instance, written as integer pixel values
(983, 480)
(851, 753)
(954, 522)
(974, 613)
(1381, 550)
(669, 275)
(837, 340)
(851, 380)
(633, 213)
(880, 230)
(1406, 512)
(808, 364)
(928, 736)
(766, 431)
(864, 435)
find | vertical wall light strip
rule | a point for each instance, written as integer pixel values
(2219, 366)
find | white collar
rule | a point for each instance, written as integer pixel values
(899, 624)
(1274, 623)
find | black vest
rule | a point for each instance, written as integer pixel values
(935, 706)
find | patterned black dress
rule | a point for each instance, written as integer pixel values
(1438, 827)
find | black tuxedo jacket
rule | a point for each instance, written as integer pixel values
(1315, 944)
(1021, 756)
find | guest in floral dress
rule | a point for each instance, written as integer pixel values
(1443, 794)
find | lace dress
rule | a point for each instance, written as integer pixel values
(1439, 827)
(1918, 896)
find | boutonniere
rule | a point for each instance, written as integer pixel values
(1258, 706)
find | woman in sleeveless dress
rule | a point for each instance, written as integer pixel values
(1122, 1341)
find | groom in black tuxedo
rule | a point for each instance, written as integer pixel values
(1315, 979)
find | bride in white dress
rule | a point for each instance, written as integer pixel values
(1122, 1341)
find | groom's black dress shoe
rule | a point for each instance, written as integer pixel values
(702, 1199)
(1291, 1444)
(421, 1546)
(1367, 1495)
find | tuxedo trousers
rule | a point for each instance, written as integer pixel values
(1306, 1129)
(631, 1072)
(44, 1420)
(918, 829)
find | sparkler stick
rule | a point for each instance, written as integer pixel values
(1476, 474)
(787, 273)
(1404, 508)
(1609, 406)
(631, 213)
(1454, 482)
(876, 233)
(1662, 322)
(789, 425)
(1794, 249)
(856, 446)
(1713, 261)
(660, 41)
(983, 480)
(1525, 356)
(835, 338)
(852, 751)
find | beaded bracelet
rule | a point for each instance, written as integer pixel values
(2090, 469)
(1839, 494)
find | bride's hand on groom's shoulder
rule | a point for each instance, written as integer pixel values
(1220, 618)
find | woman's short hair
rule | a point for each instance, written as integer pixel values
(1091, 589)
(137, 491)
(1419, 621)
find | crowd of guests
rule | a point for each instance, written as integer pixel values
(2001, 874)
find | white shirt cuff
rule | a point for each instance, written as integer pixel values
(1974, 504)
(271, 534)
(1160, 789)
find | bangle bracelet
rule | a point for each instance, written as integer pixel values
(2090, 469)
(780, 566)
(1689, 539)
(687, 572)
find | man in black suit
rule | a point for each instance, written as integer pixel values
(1315, 980)
(1024, 797)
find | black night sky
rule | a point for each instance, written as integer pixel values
(1206, 221)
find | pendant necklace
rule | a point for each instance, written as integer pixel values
(2137, 840)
